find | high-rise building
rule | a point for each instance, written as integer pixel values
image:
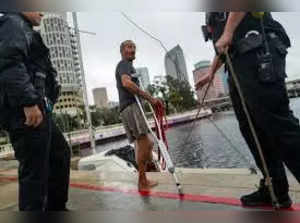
(224, 76)
(58, 38)
(76, 56)
(144, 76)
(175, 64)
(216, 89)
(100, 97)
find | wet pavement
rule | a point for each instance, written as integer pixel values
(89, 200)
(107, 201)
(204, 190)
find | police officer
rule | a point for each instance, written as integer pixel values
(29, 91)
(258, 47)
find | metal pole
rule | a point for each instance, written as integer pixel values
(85, 96)
(250, 122)
(161, 145)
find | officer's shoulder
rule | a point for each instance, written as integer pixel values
(12, 20)
(15, 25)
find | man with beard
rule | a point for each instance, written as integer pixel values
(132, 118)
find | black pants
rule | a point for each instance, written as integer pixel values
(275, 165)
(277, 128)
(30, 147)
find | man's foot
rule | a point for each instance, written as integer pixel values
(152, 183)
(144, 186)
(261, 198)
(151, 167)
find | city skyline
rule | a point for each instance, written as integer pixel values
(101, 52)
(175, 64)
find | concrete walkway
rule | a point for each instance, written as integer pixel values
(208, 189)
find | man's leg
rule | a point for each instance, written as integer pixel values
(59, 171)
(151, 165)
(285, 129)
(275, 165)
(144, 156)
(137, 131)
(275, 118)
(270, 107)
(30, 150)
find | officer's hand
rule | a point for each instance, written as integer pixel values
(34, 116)
(160, 104)
(224, 42)
(207, 77)
(154, 101)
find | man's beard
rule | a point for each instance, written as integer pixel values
(132, 58)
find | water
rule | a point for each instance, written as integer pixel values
(205, 146)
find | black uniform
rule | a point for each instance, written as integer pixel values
(27, 78)
(277, 128)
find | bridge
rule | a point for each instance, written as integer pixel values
(225, 104)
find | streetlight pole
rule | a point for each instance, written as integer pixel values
(85, 96)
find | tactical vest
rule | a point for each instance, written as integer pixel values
(250, 23)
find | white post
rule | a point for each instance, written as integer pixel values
(85, 96)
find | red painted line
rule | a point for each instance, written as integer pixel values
(9, 178)
(166, 195)
(174, 196)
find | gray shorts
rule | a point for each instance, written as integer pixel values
(134, 123)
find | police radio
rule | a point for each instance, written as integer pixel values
(265, 68)
(265, 60)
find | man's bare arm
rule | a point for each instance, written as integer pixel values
(215, 66)
(134, 89)
(234, 19)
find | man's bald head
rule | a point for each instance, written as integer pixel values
(128, 49)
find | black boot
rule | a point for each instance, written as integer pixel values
(57, 207)
(281, 189)
(262, 197)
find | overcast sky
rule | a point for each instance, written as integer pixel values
(101, 52)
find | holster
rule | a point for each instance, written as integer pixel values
(252, 42)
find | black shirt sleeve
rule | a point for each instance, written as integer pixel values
(125, 68)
